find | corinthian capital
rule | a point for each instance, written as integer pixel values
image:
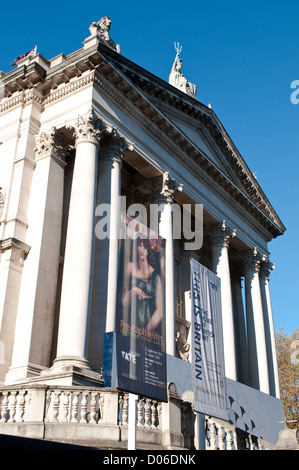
(265, 268)
(52, 143)
(87, 128)
(221, 234)
(113, 145)
(164, 187)
(252, 260)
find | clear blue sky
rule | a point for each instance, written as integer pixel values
(242, 56)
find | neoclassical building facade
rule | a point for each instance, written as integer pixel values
(93, 128)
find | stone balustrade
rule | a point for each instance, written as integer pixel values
(99, 416)
(221, 435)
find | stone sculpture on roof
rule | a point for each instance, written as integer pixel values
(176, 77)
(101, 29)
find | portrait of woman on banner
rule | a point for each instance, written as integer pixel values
(142, 295)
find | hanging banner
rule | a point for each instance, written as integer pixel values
(208, 373)
(140, 317)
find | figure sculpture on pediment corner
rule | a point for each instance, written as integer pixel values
(102, 28)
(177, 78)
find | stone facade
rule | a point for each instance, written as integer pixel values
(82, 130)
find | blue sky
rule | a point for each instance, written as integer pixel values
(242, 56)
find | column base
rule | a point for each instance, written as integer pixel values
(71, 371)
(65, 371)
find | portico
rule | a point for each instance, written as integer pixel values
(107, 135)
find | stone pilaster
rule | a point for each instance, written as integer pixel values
(36, 302)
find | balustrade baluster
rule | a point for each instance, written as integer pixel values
(56, 405)
(20, 406)
(13, 406)
(4, 408)
(75, 405)
(84, 407)
(147, 413)
(153, 414)
(139, 412)
(159, 414)
(93, 407)
(229, 440)
(212, 435)
(125, 409)
(65, 407)
(221, 436)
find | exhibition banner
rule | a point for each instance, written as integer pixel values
(140, 315)
(208, 373)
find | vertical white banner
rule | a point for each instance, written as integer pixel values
(208, 373)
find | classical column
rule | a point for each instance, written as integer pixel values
(266, 268)
(107, 227)
(220, 237)
(257, 351)
(36, 302)
(166, 188)
(77, 270)
(240, 326)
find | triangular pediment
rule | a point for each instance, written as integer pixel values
(202, 140)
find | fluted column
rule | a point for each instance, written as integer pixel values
(220, 237)
(164, 197)
(257, 351)
(77, 270)
(240, 327)
(266, 268)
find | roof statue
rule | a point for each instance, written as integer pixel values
(176, 77)
(101, 29)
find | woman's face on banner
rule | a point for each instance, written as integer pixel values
(142, 251)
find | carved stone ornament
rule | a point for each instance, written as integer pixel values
(87, 128)
(101, 29)
(53, 144)
(2, 200)
(252, 260)
(221, 234)
(265, 268)
(113, 145)
(176, 77)
(163, 187)
(182, 346)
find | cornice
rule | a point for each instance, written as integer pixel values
(68, 88)
(24, 97)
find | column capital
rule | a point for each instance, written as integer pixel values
(236, 273)
(252, 260)
(87, 128)
(113, 145)
(221, 234)
(266, 267)
(52, 144)
(164, 187)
